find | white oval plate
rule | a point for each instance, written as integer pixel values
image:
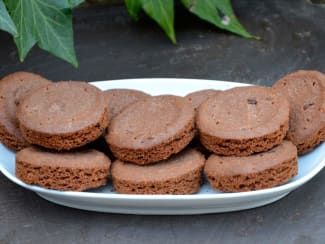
(205, 201)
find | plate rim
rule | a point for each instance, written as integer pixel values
(285, 188)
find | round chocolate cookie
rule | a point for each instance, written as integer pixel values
(65, 171)
(13, 88)
(255, 172)
(63, 115)
(152, 129)
(305, 91)
(180, 174)
(198, 97)
(243, 120)
(118, 99)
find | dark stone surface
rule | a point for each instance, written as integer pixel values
(110, 46)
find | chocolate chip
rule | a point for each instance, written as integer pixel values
(308, 105)
(251, 101)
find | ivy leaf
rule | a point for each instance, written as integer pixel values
(65, 4)
(133, 7)
(42, 22)
(6, 22)
(229, 16)
(162, 11)
(219, 13)
(75, 3)
(25, 39)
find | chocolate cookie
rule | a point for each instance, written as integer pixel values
(255, 172)
(198, 97)
(243, 120)
(63, 115)
(65, 171)
(180, 174)
(152, 129)
(13, 88)
(305, 91)
(118, 99)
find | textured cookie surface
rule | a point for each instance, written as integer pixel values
(152, 130)
(243, 120)
(255, 172)
(305, 91)
(63, 115)
(66, 171)
(118, 99)
(13, 88)
(180, 174)
(198, 97)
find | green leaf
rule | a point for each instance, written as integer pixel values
(65, 4)
(229, 17)
(219, 13)
(6, 22)
(162, 11)
(133, 7)
(75, 3)
(25, 39)
(42, 22)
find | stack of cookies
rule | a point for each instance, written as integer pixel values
(251, 136)
(56, 118)
(245, 128)
(255, 133)
(148, 138)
